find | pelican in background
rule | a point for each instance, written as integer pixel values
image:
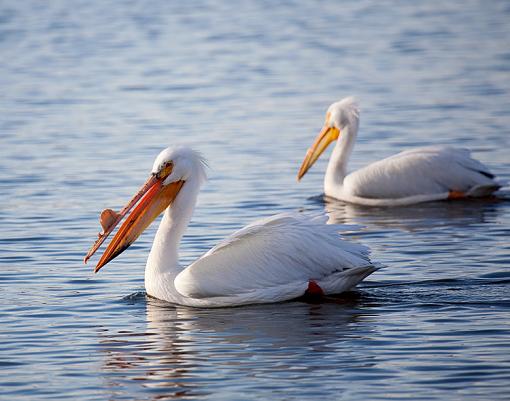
(412, 176)
(274, 259)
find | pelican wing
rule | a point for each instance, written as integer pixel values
(420, 171)
(276, 257)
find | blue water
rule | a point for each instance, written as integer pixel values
(90, 92)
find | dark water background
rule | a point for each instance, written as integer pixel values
(90, 92)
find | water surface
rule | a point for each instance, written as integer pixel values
(92, 91)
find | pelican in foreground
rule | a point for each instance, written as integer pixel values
(274, 259)
(412, 176)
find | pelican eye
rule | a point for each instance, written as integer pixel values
(165, 170)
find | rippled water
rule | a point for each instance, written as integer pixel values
(91, 91)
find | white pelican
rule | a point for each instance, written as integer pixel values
(412, 176)
(274, 259)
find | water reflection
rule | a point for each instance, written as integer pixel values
(181, 348)
(422, 216)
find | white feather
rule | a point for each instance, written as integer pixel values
(281, 251)
(412, 176)
(270, 260)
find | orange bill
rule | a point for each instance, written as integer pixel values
(326, 136)
(109, 219)
(155, 200)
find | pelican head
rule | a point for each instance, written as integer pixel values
(172, 168)
(340, 116)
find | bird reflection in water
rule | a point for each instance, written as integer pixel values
(184, 351)
(424, 216)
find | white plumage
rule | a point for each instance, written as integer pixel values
(412, 176)
(270, 260)
(274, 259)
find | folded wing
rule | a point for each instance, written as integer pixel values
(421, 171)
(280, 253)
